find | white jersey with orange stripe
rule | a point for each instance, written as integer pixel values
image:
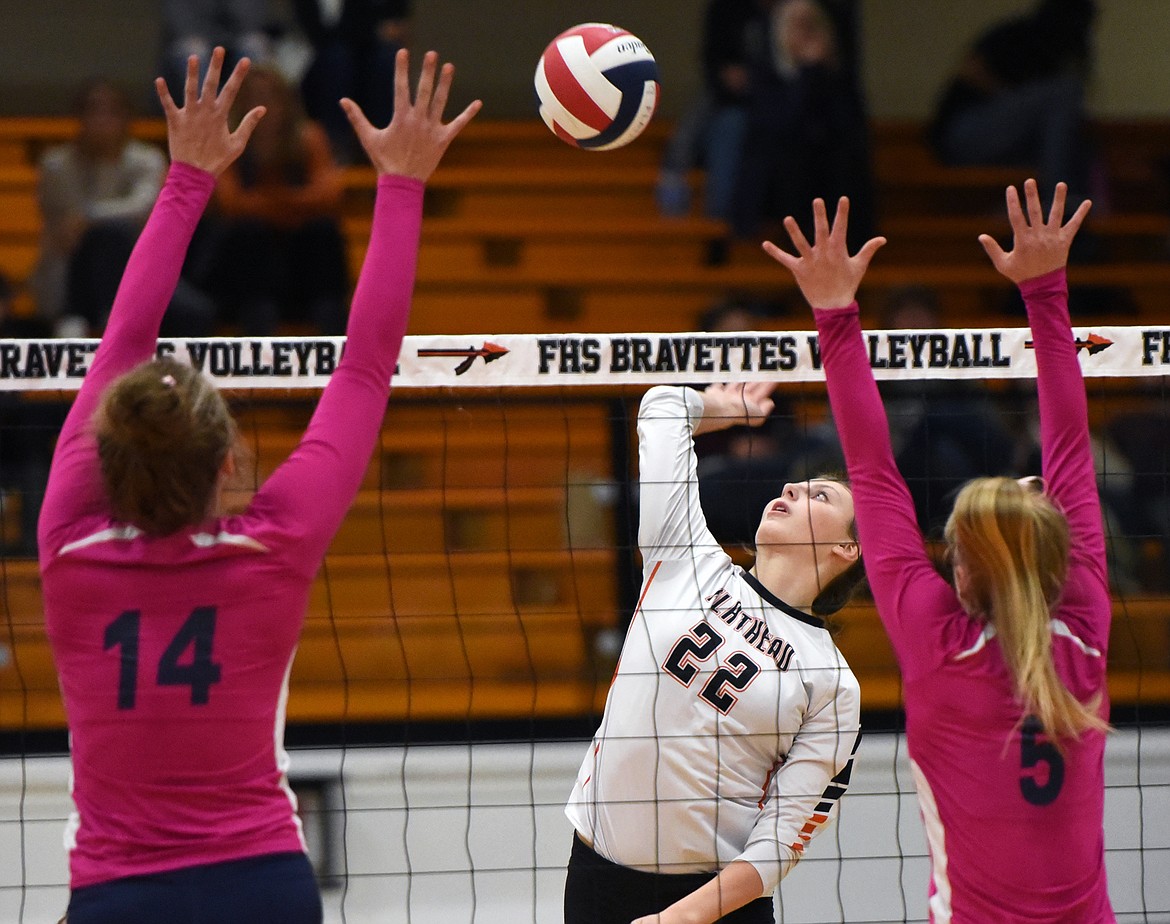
(732, 721)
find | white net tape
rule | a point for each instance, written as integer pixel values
(525, 360)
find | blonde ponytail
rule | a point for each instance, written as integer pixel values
(1014, 547)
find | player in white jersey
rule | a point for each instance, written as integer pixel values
(730, 728)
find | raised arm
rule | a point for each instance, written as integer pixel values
(670, 518)
(201, 147)
(891, 542)
(310, 493)
(1036, 263)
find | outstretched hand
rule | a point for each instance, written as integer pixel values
(414, 141)
(828, 277)
(198, 133)
(1038, 246)
(730, 405)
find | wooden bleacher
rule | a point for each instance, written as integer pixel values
(539, 236)
(468, 582)
(478, 562)
(473, 574)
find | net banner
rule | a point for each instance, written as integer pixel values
(607, 359)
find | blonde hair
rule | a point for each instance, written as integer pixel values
(1014, 546)
(163, 434)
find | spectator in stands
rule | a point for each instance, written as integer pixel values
(275, 251)
(95, 193)
(735, 40)
(194, 27)
(354, 43)
(807, 135)
(944, 433)
(1018, 97)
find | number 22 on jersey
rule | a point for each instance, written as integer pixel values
(733, 675)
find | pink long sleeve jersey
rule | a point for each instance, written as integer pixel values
(1014, 827)
(174, 653)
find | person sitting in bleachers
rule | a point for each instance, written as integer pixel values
(1018, 98)
(807, 134)
(354, 43)
(95, 193)
(710, 132)
(273, 252)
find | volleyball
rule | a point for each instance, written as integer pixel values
(597, 86)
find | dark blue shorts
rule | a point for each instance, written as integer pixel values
(598, 891)
(277, 888)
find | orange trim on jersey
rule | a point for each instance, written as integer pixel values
(645, 590)
(768, 782)
(806, 833)
(596, 748)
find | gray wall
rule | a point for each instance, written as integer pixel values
(47, 46)
(476, 834)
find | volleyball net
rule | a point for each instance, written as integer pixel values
(466, 621)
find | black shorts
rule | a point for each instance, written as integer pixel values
(278, 888)
(598, 891)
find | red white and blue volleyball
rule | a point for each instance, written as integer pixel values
(597, 86)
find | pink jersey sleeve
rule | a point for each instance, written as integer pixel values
(908, 592)
(307, 497)
(74, 487)
(1067, 457)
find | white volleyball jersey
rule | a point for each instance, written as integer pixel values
(731, 724)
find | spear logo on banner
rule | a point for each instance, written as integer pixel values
(489, 351)
(1094, 343)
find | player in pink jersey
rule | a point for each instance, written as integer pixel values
(1003, 673)
(173, 627)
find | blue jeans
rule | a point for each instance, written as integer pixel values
(1039, 125)
(723, 154)
(710, 134)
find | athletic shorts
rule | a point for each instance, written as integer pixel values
(598, 891)
(278, 888)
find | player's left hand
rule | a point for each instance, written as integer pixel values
(416, 138)
(828, 277)
(1039, 245)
